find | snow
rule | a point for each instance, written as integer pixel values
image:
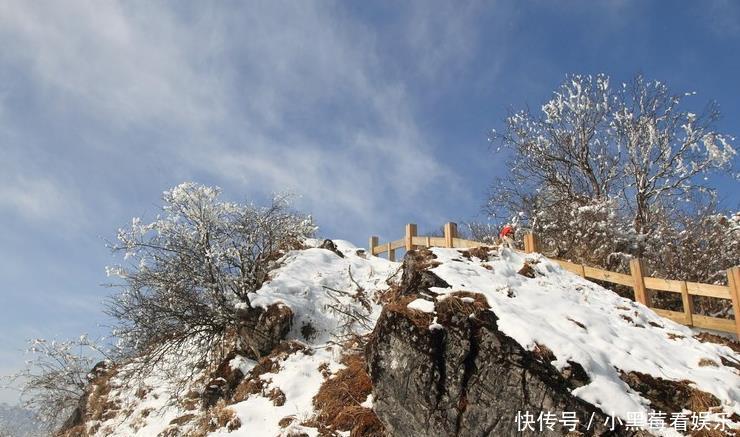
(368, 402)
(618, 334)
(305, 281)
(309, 277)
(422, 305)
(543, 310)
(243, 364)
(300, 379)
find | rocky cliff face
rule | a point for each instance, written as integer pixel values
(465, 378)
(456, 374)
(440, 366)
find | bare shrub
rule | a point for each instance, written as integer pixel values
(56, 376)
(186, 276)
(604, 173)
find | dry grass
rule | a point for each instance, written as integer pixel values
(384, 297)
(672, 336)
(670, 396)
(286, 421)
(217, 417)
(706, 362)
(339, 398)
(483, 253)
(324, 370)
(182, 420)
(253, 383)
(276, 396)
(543, 353)
(424, 258)
(712, 338)
(400, 305)
(191, 401)
(456, 307)
(99, 407)
(527, 271)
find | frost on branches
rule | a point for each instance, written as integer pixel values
(185, 274)
(602, 173)
(55, 377)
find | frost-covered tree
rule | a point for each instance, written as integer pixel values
(185, 275)
(632, 149)
(603, 173)
(668, 150)
(563, 153)
(55, 377)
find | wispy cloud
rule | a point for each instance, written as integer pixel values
(258, 99)
(104, 104)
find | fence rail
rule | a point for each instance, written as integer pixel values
(637, 280)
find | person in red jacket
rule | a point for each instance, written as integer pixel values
(507, 236)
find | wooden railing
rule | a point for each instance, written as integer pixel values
(637, 280)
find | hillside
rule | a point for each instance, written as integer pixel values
(18, 422)
(449, 342)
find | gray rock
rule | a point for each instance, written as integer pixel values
(466, 378)
(329, 245)
(261, 330)
(416, 277)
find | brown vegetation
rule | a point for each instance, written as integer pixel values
(670, 396)
(339, 400)
(718, 339)
(527, 271)
(253, 383)
(400, 305)
(483, 253)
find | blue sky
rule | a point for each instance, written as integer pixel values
(376, 113)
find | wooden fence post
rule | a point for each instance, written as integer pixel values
(391, 253)
(733, 283)
(450, 234)
(688, 304)
(373, 244)
(530, 243)
(636, 268)
(410, 234)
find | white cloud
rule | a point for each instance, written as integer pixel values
(33, 199)
(263, 97)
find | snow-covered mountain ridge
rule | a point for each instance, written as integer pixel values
(336, 296)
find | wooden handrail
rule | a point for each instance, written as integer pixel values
(636, 279)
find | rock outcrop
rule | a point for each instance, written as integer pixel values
(222, 382)
(263, 329)
(330, 246)
(463, 377)
(416, 277)
(453, 373)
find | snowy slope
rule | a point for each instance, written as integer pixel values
(617, 333)
(305, 282)
(547, 310)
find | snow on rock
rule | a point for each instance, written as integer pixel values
(577, 320)
(309, 282)
(299, 379)
(312, 279)
(422, 305)
(585, 323)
